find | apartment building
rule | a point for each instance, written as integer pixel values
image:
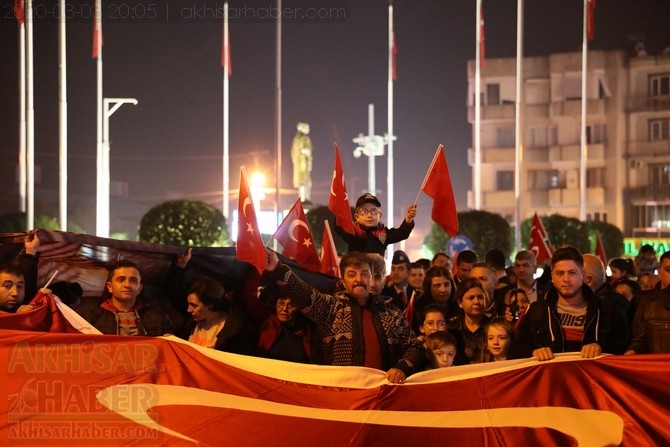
(627, 133)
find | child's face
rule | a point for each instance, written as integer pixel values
(444, 356)
(368, 215)
(433, 322)
(497, 341)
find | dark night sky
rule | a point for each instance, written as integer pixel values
(171, 141)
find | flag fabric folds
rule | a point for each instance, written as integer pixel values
(249, 246)
(75, 389)
(329, 259)
(294, 235)
(437, 185)
(338, 202)
(600, 250)
(19, 11)
(539, 241)
(590, 19)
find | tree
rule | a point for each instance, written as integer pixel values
(315, 218)
(184, 222)
(610, 235)
(562, 231)
(486, 230)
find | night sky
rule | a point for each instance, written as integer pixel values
(171, 143)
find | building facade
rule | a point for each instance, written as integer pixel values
(627, 133)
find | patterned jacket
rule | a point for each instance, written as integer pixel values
(339, 321)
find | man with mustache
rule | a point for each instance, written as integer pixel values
(356, 327)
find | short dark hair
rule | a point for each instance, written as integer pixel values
(664, 256)
(123, 263)
(438, 339)
(432, 308)
(354, 259)
(11, 269)
(466, 256)
(211, 293)
(496, 259)
(568, 253)
(440, 253)
(416, 265)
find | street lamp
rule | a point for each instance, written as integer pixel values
(102, 208)
(372, 146)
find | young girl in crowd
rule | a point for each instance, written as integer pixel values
(499, 336)
(440, 349)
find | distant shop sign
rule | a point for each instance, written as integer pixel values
(631, 245)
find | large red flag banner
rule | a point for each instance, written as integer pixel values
(76, 389)
(539, 241)
(329, 260)
(294, 235)
(437, 185)
(249, 245)
(338, 202)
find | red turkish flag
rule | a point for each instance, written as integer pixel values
(97, 25)
(19, 12)
(293, 234)
(338, 202)
(250, 247)
(590, 19)
(329, 259)
(437, 185)
(539, 241)
(225, 47)
(600, 250)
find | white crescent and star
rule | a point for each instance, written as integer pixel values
(307, 242)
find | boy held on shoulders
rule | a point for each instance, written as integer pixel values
(372, 236)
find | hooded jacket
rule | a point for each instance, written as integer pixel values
(540, 327)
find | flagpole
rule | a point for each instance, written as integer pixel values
(226, 117)
(583, 151)
(278, 117)
(22, 116)
(478, 109)
(430, 168)
(62, 115)
(102, 228)
(518, 153)
(30, 122)
(390, 163)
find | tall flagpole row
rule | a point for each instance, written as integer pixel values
(518, 111)
(62, 117)
(390, 137)
(478, 110)
(226, 117)
(22, 117)
(30, 119)
(583, 148)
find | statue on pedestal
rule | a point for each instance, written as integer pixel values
(301, 155)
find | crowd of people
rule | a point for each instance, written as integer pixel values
(415, 317)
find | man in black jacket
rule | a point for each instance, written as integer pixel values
(571, 318)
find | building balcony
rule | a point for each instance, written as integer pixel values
(648, 148)
(573, 108)
(569, 197)
(493, 112)
(572, 152)
(650, 193)
(648, 104)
